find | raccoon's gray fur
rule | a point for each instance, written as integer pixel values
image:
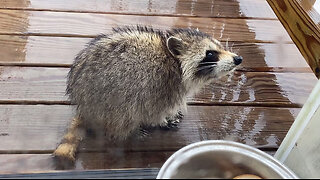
(138, 76)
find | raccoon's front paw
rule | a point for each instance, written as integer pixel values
(171, 122)
(142, 133)
(65, 152)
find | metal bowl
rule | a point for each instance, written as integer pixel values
(222, 159)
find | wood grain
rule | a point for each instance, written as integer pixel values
(312, 9)
(39, 129)
(47, 85)
(203, 8)
(304, 32)
(89, 25)
(43, 163)
(132, 173)
(116, 160)
(60, 52)
(25, 163)
(35, 50)
(248, 87)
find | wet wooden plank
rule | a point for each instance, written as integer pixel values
(84, 166)
(244, 88)
(39, 129)
(203, 8)
(145, 173)
(47, 84)
(44, 163)
(26, 163)
(60, 51)
(35, 50)
(90, 24)
(32, 85)
(302, 29)
(35, 127)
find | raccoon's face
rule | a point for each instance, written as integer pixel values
(202, 58)
(215, 60)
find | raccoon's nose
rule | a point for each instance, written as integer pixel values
(237, 60)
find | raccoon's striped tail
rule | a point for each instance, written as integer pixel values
(70, 142)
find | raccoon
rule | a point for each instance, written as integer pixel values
(139, 76)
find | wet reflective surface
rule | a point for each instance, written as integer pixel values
(259, 127)
(254, 88)
(251, 87)
(256, 105)
(217, 8)
(91, 24)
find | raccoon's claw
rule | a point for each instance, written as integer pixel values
(179, 115)
(171, 123)
(142, 133)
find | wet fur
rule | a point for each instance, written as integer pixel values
(137, 76)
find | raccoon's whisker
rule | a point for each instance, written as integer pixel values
(231, 47)
(205, 70)
(203, 63)
(227, 45)
(236, 51)
(206, 67)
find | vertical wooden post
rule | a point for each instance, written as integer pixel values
(304, 32)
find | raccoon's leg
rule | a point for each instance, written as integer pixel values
(171, 122)
(69, 144)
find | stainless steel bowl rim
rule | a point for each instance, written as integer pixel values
(222, 145)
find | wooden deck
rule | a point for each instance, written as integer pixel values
(39, 39)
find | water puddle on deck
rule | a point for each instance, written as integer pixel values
(126, 6)
(259, 125)
(233, 88)
(246, 8)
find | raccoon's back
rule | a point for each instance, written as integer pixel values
(124, 72)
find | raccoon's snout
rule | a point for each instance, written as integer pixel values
(237, 60)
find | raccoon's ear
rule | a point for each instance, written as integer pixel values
(175, 45)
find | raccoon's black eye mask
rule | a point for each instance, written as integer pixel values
(208, 63)
(211, 56)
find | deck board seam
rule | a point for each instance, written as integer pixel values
(190, 103)
(50, 151)
(244, 69)
(94, 36)
(138, 14)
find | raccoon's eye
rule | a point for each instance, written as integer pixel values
(211, 55)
